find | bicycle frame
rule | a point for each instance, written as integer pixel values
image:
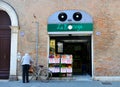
(41, 73)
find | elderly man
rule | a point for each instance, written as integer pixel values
(26, 61)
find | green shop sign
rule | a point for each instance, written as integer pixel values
(70, 27)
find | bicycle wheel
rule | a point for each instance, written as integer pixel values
(32, 76)
(44, 75)
(50, 75)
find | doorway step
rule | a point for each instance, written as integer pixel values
(74, 78)
(82, 78)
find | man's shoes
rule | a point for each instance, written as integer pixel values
(27, 81)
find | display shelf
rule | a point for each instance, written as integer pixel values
(54, 60)
(61, 64)
(54, 69)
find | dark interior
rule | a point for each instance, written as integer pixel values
(80, 48)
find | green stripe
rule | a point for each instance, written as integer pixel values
(72, 27)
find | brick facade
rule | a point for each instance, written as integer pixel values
(106, 17)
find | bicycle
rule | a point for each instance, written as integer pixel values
(41, 73)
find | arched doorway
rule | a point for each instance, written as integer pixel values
(5, 36)
(13, 36)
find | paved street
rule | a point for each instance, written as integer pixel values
(60, 83)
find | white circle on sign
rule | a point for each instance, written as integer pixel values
(70, 27)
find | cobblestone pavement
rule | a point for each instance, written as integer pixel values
(55, 83)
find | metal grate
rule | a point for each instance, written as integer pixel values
(106, 83)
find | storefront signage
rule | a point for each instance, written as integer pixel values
(70, 21)
(70, 27)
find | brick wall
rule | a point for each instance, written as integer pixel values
(106, 16)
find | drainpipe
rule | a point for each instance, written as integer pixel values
(37, 29)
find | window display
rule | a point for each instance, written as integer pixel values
(61, 64)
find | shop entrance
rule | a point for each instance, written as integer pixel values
(80, 48)
(70, 34)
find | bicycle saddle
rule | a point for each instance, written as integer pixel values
(41, 66)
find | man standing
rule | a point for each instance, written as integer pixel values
(26, 61)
